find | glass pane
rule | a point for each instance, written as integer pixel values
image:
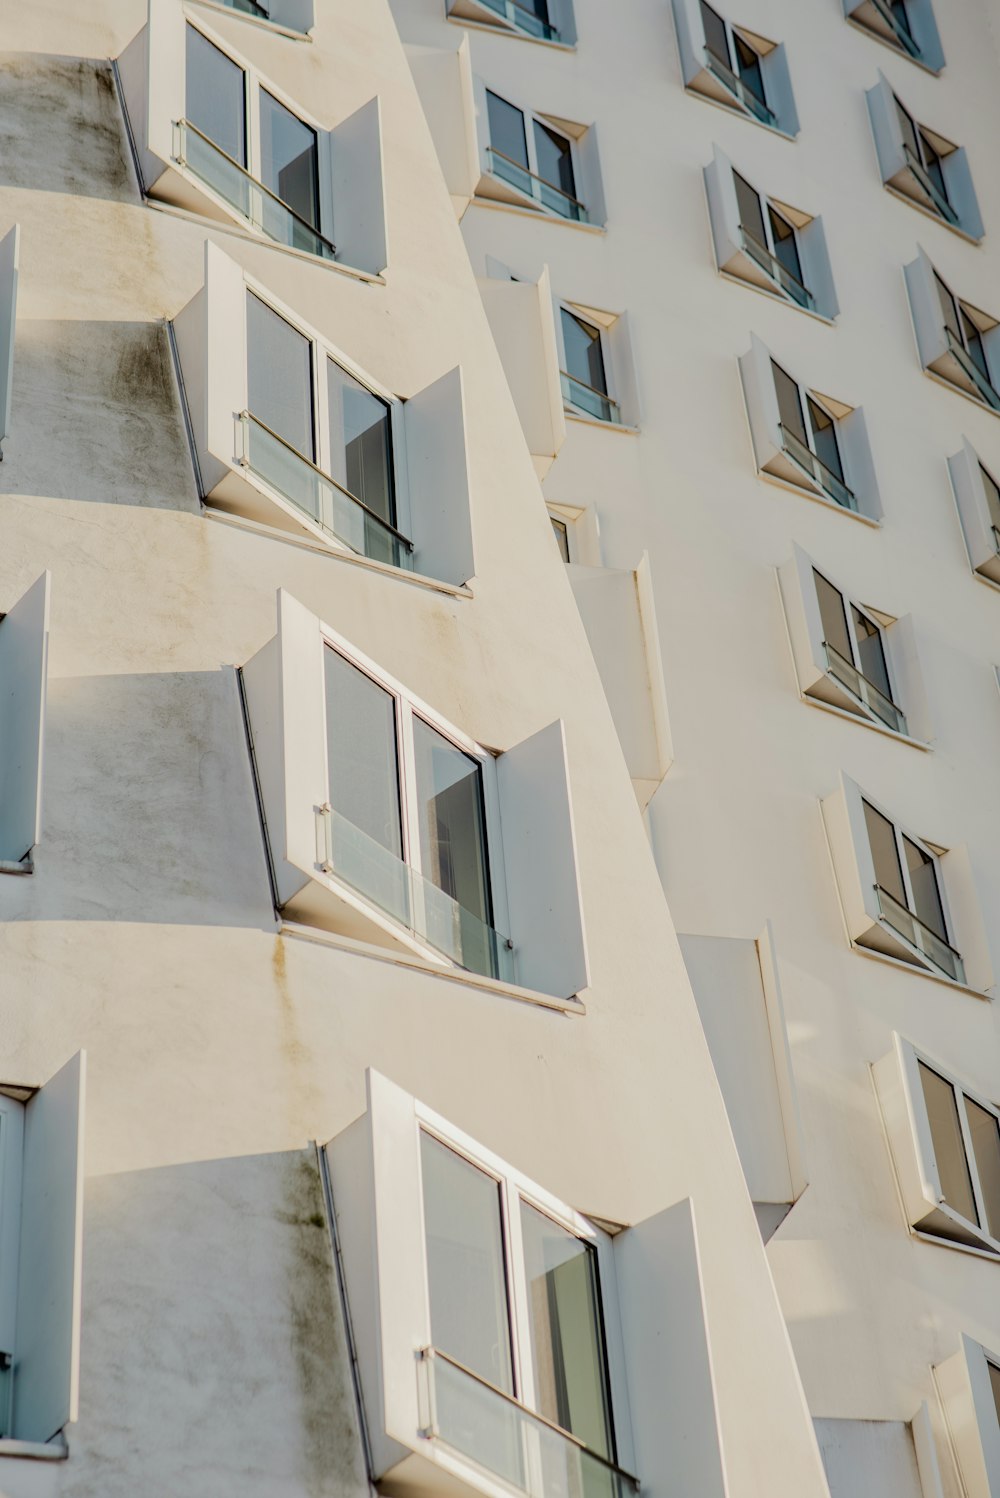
(995, 1384)
(992, 496)
(786, 248)
(871, 652)
(974, 343)
(567, 1333)
(584, 356)
(450, 813)
(885, 855)
(507, 129)
(898, 9)
(908, 128)
(834, 617)
(949, 1148)
(715, 33)
(789, 404)
(288, 159)
(555, 158)
(949, 308)
(751, 217)
(562, 537)
(825, 444)
(466, 1273)
(926, 895)
(216, 96)
(985, 1132)
(748, 67)
(932, 162)
(360, 442)
(279, 376)
(361, 752)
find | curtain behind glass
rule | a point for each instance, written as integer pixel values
(279, 376)
(361, 752)
(215, 93)
(949, 1148)
(567, 1335)
(288, 157)
(450, 812)
(360, 442)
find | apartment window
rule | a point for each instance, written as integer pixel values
(736, 62)
(734, 67)
(293, 15)
(909, 890)
(907, 26)
(856, 654)
(969, 1383)
(809, 433)
(528, 153)
(956, 341)
(977, 494)
(542, 20)
(560, 529)
(920, 165)
(584, 373)
(217, 88)
(771, 240)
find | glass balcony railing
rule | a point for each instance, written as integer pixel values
(586, 398)
(234, 184)
(504, 1438)
(972, 371)
(344, 517)
(375, 872)
(772, 266)
(817, 470)
(546, 194)
(929, 186)
(895, 25)
(523, 19)
(927, 942)
(865, 691)
(248, 8)
(745, 96)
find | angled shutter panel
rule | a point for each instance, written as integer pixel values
(886, 129)
(778, 82)
(9, 249)
(24, 652)
(47, 1355)
(723, 209)
(359, 225)
(438, 470)
(761, 402)
(973, 509)
(690, 38)
(925, 309)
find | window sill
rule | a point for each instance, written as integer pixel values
(449, 973)
(776, 295)
(8, 866)
(976, 400)
(985, 995)
(602, 426)
(932, 214)
(261, 21)
(963, 1248)
(804, 492)
(501, 30)
(537, 215)
(35, 1451)
(884, 41)
(737, 108)
(867, 722)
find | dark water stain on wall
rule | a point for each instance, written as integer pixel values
(61, 129)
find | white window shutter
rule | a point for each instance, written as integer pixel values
(671, 1388)
(539, 848)
(153, 75)
(9, 249)
(46, 1366)
(778, 84)
(904, 1113)
(886, 129)
(212, 346)
(522, 320)
(762, 404)
(962, 193)
(444, 82)
(797, 586)
(925, 309)
(437, 468)
(973, 510)
(963, 1382)
(690, 38)
(359, 222)
(724, 212)
(816, 268)
(24, 655)
(850, 850)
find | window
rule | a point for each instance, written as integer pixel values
(595, 365)
(968, 1383)
(957, 342)
(560, 529)
(321, 449)
(293, 15)
(907, 26)
(542, 20)
(856, 653)
(922, 166)
(909, 891)
(769, 245)
(734, 67)
(215, 137)
(526, 152)
(389, 825)
(41, 1231)
(808, 440)
(24, 653)
(977, 493)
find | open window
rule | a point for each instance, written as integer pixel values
(767, 243)
(521, 315)
(390, 825)
(41, 1234)
(537, 161)
(541, 20)
(907, 26)
(595, 364)
(24, 667)
(292, 434)
(734, 67)
(291, 15)
(850, 655)
(902, 895)
(577, 533)
(969, 1385)
(922, 166)
(817, 444)
(505, 1342)
(977, 494)
(945, 1142)
(956, 342)
(219, 139)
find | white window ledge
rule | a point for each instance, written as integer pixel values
(537, 215)
(804, 492)
(867, 722)
(468, 979)
(933, 215)
(26, 866)
(602, 426)
(923, 972)
(776, 296)
(963, 1248)
(35, 1451)
(520, 36)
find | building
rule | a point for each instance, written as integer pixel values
(357, 1120)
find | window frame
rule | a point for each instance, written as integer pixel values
(850, 606)
(805, 395)
(964, 312)
(899, 833)
(769, 209)
(926, 51)
(567, 380)
(921, 134)
(529, 118)
(12, 1112)
(733, 34)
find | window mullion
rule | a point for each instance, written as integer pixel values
(807, 425)
(904, 871)
(252, 88)
(852, 633)
(520, 1325)
(970, 1158)
(529, 138)
(321, 410)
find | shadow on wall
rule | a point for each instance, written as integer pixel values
(148, 810)
(61, 128)
(214, 1352)
(96, 416)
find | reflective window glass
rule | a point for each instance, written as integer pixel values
(584, 355)
(555, 158)
(933, 165)
(749, 69)
(507, 129)
(909, 129)
(360, 442)
(279, 376)
(362, 758)
(949, 308)
(885, 855)
(288, 157)
(786, 248)
(924, 883)
(992, 496)
(949, 1148)
(567, 1332)
(716, 39)
(834, 617)
(985, 1133)
(825, 444)
(215, 91)
(450, 813)
(899, 13)
(751, 214)
(561, 533)
(871, 652)
(974, 343)
(789, 404)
